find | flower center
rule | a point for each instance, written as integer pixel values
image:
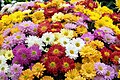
(52, 64)
(24, 56)
(26, 25)
(116, 58)
(25, 77)
(106, 53)
(100, 68)
(71, 51)
(0, 61)
(108, 73)
(65, 42)
(33, 52)
(56, 51)
(99, 33)
(2, 68)
(47, 39)
(88, 71)
(16, 69)
(90, 4)
(87, 39)
(66, 65)
(18, 37)
(77, 44)
(66, 33)
(43, 28)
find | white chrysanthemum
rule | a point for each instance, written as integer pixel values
(78, 43)
(63, 5)
(4, 67)
(57, 37)
(2, 60)
(57, 17)
(64, 41)
(5, 8)
(48, 38)
(71, 51)
(31, 40)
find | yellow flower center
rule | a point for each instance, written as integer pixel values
(47, 39)
(88, 71)
(90, 4)
(44, 28)
(0, 61)
(33, 52)
(87, 39)
(24, 56)
(71, 51)
(100, 68)
(99, 33)
(65, 42)
(66, 65)
(107, 53)
(52, 64)
(77, 44)
(56, 51)
(25, 76)
(116, 58)
(26, 25)
(9, 55)
(2, 68)
(108, 73)
(18, 37)
(66, 33)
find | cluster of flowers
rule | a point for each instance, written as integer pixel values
(59, 40)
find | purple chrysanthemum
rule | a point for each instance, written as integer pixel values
(87, 37)
(80, 22)
(35, 52)
(70, 26)
(100, 68)
(3, 76)
(8, 43)
(28, 27)
(17, 48)
(99, 78)
(99, 34)
(107, 30)
(108, 38)
(18, 38)
(16, 70)
(110, 73)
(6, 32)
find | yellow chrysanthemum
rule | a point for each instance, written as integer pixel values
(1, 40)
(79, 8)
(94, 16)
(2, 52)
(67, 33)
(38, 69)
(78, 66)
(71, 74)
(57, 17)
(47, 78)
(81, 30)
(8, 54)
(118, 4)
(38, 17)
(57, 37)
(88, 71)
(26, 75)
(119, 74)
(14, 30)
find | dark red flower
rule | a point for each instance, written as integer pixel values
(115, 57)
(66, 64)
(44, 58)
(43, 27)
(115, 17)
(52, 64)
(57, 50)
(115, 47)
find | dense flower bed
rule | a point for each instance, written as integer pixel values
(58, 40)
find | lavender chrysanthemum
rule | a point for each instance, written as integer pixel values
(70, 26)
(3, 76)
(6, 32)
(107, 30)
(99, 78)
(87, 37)
(108, 38)
(35, 52)
(100, 68)
(99, 34)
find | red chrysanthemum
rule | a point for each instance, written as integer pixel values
(52, 64)
(43, 27)
(105, 53)
(66, 64)
(57, 50)
(90, 4)
(44, 58)
(115, 17)
(56, 27)
(115, 47)
(115, 57)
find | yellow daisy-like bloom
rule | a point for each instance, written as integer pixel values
(38, 17)
(47, 78)
(17, 17)
(57, 17)
(87, 11)
(67, 33)
(26, 75)
(71, 74)
(76, 78)
(8, 54)
(2, 52)
(38, 69)
(78, 66)
(1, 39)
(42, 5)
(14, 30)
(81, 30)
(57, 37)
(88, 71)
(119, 74)
(79, 8)
(118, 4)
(94, 16)
(99, 24)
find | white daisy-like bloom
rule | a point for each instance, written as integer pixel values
(78, 43)
(5, 8)
(31, 40)
(48, 38)
(4, 68)
(63, 5)
(71, 51)
(64, 41)
(2, 60)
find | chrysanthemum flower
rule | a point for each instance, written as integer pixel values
(4, 68)
(56, 50)
(72, 74)
(70, 26)
(118, 4)
(71, 51)
(37, 69)
(1, 39)
(66, 64)
(35, 52)
(26, 75)
(108, 38)
(88, 70)
(107, 30)
(47, 78)
(99, 34)
(9, 55)
(57, 17)
(44, 58)
(2, 60)
(64, 41)
(99, 78)
(3, 76)
(115, 57)
(100, 68)
(52, 64)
